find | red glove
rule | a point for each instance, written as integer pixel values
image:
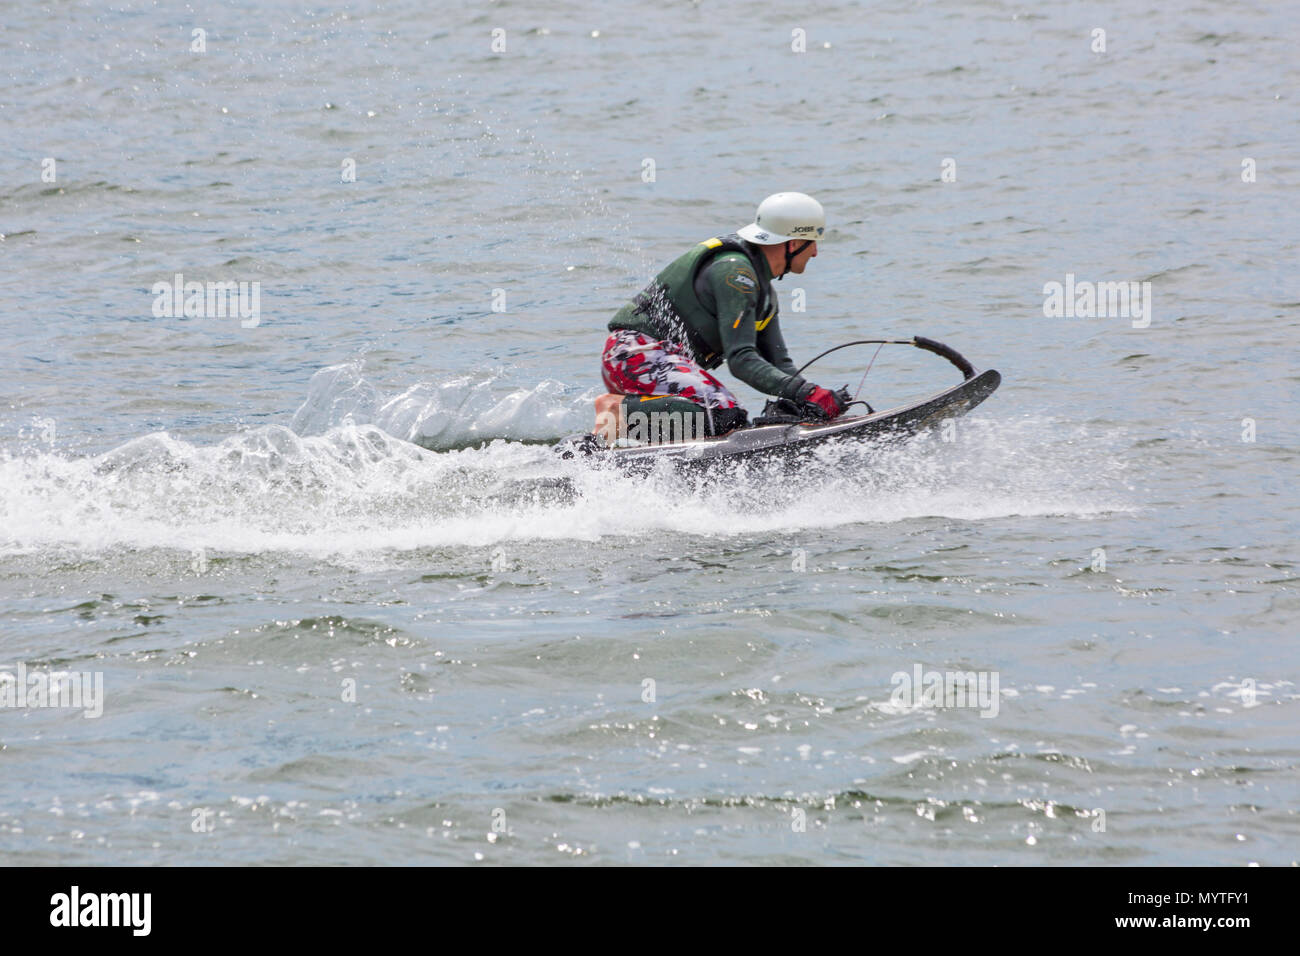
(826, 400)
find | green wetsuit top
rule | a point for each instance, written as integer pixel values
(718, 301)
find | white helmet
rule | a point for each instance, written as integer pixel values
(785, 216)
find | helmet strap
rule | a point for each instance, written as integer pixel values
(791, 256)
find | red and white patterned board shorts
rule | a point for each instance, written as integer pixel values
(636, 364)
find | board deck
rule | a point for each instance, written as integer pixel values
(782, 441)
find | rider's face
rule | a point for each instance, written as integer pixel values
(800, 262)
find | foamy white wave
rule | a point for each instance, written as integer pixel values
(357, 491)
(449, 414)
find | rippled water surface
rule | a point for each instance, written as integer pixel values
(341, 612)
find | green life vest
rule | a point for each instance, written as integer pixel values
(671, 306)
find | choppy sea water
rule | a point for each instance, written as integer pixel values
(335, 625)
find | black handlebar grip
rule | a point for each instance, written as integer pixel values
(951, 354)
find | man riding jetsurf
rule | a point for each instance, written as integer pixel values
(714, 304)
